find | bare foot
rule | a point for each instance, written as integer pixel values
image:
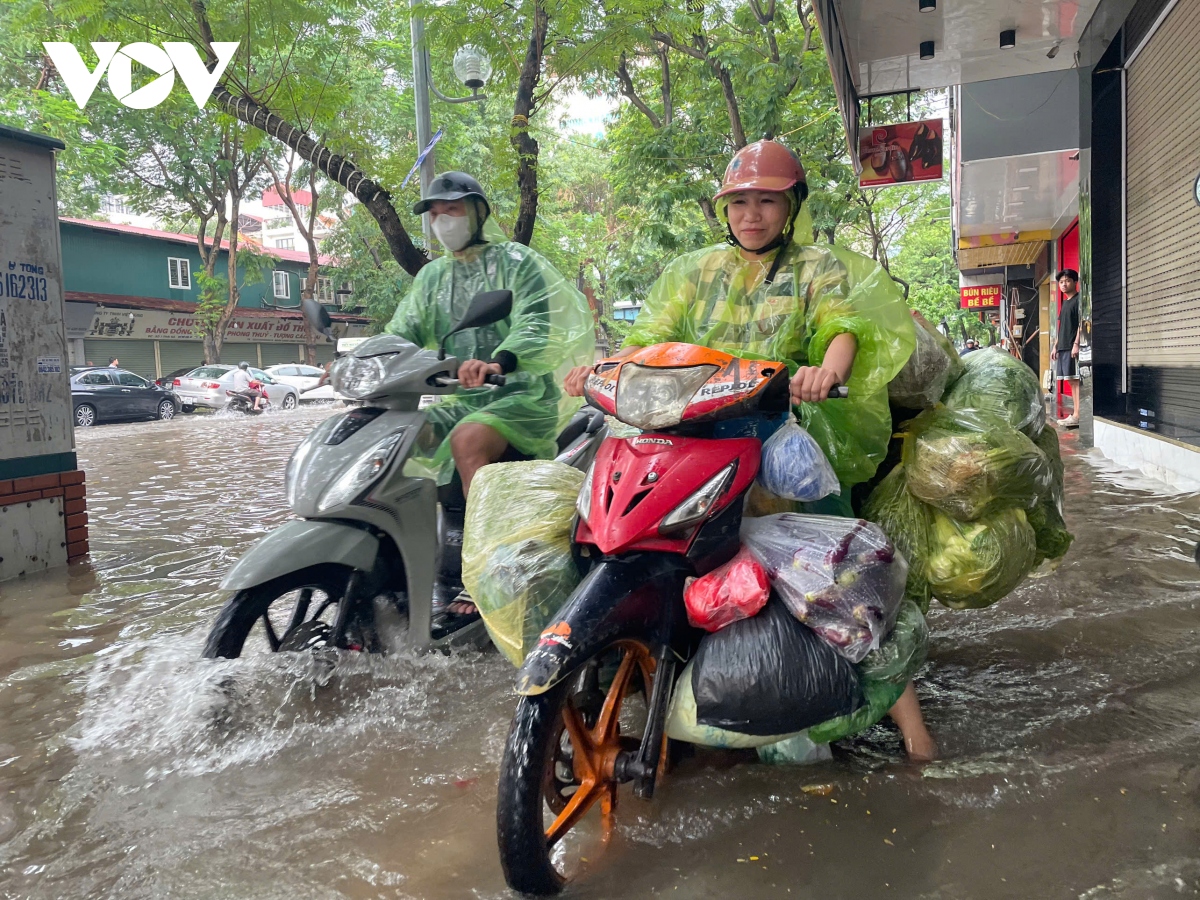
(461, 608)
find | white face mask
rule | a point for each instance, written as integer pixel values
(454, 232)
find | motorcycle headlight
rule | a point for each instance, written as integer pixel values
(650, 397)
(583, 505)
(358, 378)
(362, 473)
(697, 507)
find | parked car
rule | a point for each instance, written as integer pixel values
(206, 386)
(168, 380)
(298, 375)
(105, 394)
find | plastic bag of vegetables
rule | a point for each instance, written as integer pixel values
(969, 462)
(794, 467)
(841, 577)
(933, 367)
(902, 653)
(995, 382)
(974, 564)
(521, 575)
(909, 524)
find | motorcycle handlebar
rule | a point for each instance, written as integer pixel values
(494, 380)
(839, 392)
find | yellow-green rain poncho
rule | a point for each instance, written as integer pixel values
(715, 298)
(550, 331)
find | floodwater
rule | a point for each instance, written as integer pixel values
(1069, 718)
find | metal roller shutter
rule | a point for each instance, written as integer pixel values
(178, 354)
(136, 356)
(1162, 159)
(232, 354)
(277, 354)
(324, 353)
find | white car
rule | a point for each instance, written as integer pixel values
(207, 386)
(298, 375)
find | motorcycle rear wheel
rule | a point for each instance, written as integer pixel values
(548, 786)
(295, 611)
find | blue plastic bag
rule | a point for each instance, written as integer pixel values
(794, 466)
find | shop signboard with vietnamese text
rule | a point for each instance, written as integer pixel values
(158, 325)
(981, 296)
(900, 154)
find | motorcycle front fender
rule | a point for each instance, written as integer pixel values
(299, 544)
(637, 596)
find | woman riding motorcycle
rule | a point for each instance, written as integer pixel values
(771, 293)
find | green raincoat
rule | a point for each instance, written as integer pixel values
(550, 331)
(715, 298)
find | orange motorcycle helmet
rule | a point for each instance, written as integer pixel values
(762, 166)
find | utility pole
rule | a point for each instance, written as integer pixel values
(424, 123)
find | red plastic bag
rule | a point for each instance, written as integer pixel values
(736, 590)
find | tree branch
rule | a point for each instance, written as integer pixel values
(667, 100)
(630, 92)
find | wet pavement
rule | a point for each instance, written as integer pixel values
(1068, 715)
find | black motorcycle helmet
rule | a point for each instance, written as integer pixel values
(453, 186)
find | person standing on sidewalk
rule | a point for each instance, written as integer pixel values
(1066, 356)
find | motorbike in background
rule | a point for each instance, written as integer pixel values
(243, 402)
(654, 510)
(359, 560)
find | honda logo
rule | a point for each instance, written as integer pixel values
(117, 61)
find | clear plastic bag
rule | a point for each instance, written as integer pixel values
(998, 383)
(794, 467)
(843, 578)
(520, 574)
(932, 368)
(968, 463)
(909, 523)
(736, 590)
(974, 564)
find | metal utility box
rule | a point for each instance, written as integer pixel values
(41, 489)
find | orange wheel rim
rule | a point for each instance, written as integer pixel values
(595, 749)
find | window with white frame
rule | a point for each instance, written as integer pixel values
(324, 291)
(179, 273)
(285, 243)
(282, 284)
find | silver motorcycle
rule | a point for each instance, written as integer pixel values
(357, 568)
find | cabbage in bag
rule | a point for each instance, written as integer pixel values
(902, 653)
(968, 463)
(909, 524)
(794, 467)
(520, 571)
(998, 383)
(932, 368)
(974, 564)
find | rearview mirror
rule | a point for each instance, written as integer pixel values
(317, 317)
(487, 308)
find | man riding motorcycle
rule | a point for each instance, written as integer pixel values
(771, 293)
(243, 383)
(549, 331)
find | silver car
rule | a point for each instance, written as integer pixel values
(207, 386)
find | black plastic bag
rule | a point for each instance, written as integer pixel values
(771, 674)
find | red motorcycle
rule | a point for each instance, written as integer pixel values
(654, 509)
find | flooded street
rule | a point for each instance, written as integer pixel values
(1068, 716)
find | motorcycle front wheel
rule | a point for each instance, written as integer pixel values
(558, 788)
(296, 611)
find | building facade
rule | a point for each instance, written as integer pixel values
(131, 293)
(1072, 124)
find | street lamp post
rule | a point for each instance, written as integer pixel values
(472, 67)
